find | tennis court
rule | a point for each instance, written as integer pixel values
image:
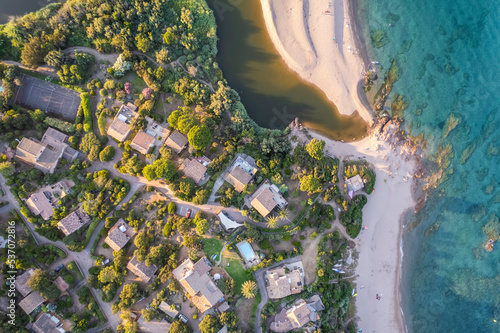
(48, 97)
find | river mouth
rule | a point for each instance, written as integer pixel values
(273, 95)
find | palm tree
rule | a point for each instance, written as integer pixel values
(272, 222)
(248, 289)
(284, 213)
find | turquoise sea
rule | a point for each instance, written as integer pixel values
(448, 55)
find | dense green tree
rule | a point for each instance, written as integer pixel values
(89, 141)
(39, 281)
(309, 183)
(200, 137)
(56, 59)
(210, 324)
(179, 327)
(149, 172)
(315, 148)
(165, 169)
(107, 154)
(7, 169)
(33, 52)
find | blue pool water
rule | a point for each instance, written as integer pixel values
(448, 55)
(247, 251)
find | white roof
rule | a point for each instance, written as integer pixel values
(228, 223)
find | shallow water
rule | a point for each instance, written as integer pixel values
(447, 52)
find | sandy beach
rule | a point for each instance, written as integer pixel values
(316, 40)
(379, 261)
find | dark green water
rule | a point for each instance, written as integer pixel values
(19, 7)
(272, 94)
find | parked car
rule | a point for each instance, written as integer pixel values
(188, 214)
(183, 318)
(58, 268)
(105, 262)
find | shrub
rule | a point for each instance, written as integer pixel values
(313, 236)
(286, 237)
(103, 92)
(87, 112)
(107, 154)
(172, 208)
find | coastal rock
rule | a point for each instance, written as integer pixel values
(452, 121)
(467, 152)
(378, 38)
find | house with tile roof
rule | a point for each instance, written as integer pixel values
(119, 235)
(177, 141)
(31, 302)
(120, 127)
(198, 284)
(139, 268)
(47, 323)
(301, 313)
(281, 284)
(21, 280)
(39, 204)
(168, 309)
(266, 198)
(195, 168)
(73, 222)
(142, 142)
(44, 155)
(61, 284)
(241, 172)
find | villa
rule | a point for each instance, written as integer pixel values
(44, 155)
(47, 323)
(154, 134)
(241, 172)
(21, 285)
(282, 284)
(196, 281)
(301, 313)
(177, 141)
(119, 235)
(139, 268)
(39, 204)
(195, 168)
(120, 127)
(266, 198)
(73, 222)
(31, 302)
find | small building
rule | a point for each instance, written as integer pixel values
(251, 258)
(282, 284)
(73, 222)
(119, 235)
(31, 302)
(355, 183)
(228, 223)
(195, 168)
(39, 204)
(45, 155)
(162, 326)
(196, 281)
(142, 142)
(120, 127)
(168, 309)
(21, 280)
(139, 268)
(266, 198)
(61, 284)
(301, 313)
(241, 172)
(177, 141)
(223, 329)
(47, 323)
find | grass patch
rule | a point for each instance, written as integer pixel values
(236, 271)
(212, 246)
(258, 299)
